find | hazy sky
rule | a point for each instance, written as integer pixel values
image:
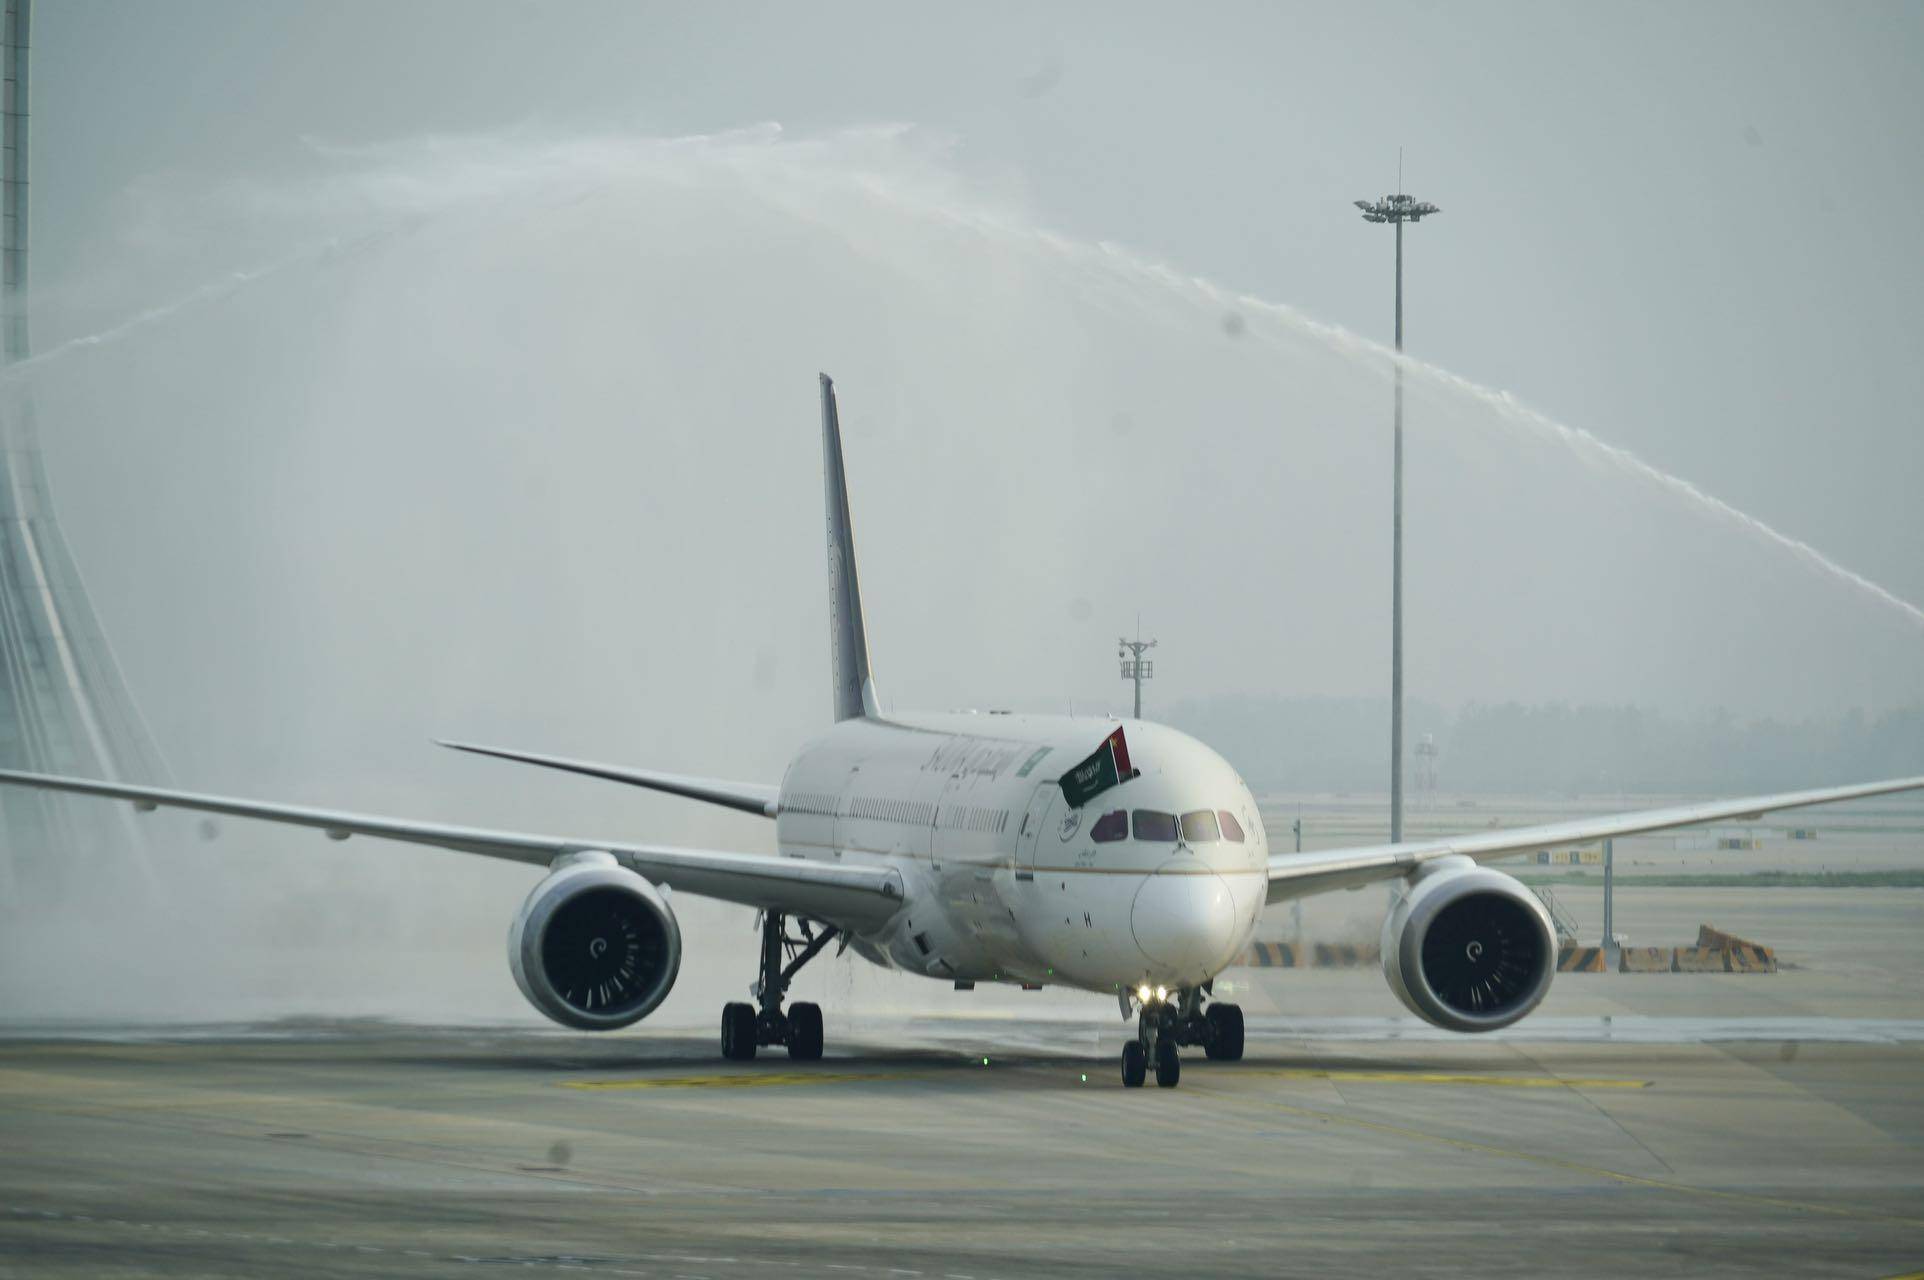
(1680, 227)
(1685, 226)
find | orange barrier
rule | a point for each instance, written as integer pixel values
(1303, 955)
(1272, 955)
(1581, 960)
(1731, 955)
(1700, 960)
(1740, 954)
(1715, 952)
(1748, 957)
(1647, 960)
(1345, 955)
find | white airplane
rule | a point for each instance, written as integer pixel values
(1112, 856)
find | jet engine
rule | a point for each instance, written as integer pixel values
(595, 946)
(1467, 948)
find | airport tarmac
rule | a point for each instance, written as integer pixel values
(1715, 1125)
(367, 1149)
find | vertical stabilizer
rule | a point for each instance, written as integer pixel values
(847, 634)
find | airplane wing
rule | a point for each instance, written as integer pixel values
(750, 797)
(851, 895)
(1298, 875)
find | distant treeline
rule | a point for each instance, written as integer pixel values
(1342, 744)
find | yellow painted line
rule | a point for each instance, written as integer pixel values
(751, 1079)
(1436, 1077)
(744, 1080)
(1591, 1170)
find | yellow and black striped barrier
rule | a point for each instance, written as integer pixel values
(1698, 960)
(1273, 955)
(1647, 960)
(1310, 955)
(1745, 957)
(1581, 960)
(1715, 952)
(1749, 957)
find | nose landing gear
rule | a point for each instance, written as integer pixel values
(1158, 1034)
(745, 1027)
(1163, 1026)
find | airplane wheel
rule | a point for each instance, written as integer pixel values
(1225, 1042)
(1134, 1065)
(1168, 1065)
(804, 1031)
(738, 1032)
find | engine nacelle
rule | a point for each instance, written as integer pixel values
(595, 946)
(1468, 948)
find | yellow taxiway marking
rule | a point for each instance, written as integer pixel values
(1591, 1170)
(1340, 1076)
(745, 1080)
(751, 1079)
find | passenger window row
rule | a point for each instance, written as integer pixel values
(1199, 826)
(915, 812)
(919, 813)
(964, 817)
(815, 802)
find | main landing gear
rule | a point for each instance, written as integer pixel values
(746, 1028)
(1168, 1022)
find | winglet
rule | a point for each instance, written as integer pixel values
(855, 695)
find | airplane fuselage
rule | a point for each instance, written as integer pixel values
(1159, 880)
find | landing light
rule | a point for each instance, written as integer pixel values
(1143, 993)
(1162, 993)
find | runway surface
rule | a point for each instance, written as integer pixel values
(1637, 1125)
(369, 1149)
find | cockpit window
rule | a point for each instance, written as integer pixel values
(1111, 826)
(1200, 826)
(1158, 827)
(1232, 829)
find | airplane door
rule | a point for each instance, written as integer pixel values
(1033, 820)
(844, 835)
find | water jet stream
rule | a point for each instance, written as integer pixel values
(878, 165)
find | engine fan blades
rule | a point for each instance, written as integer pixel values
(600, 948)
(1481, 954)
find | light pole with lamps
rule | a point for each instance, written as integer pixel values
(1134, 666)
(1397, 209)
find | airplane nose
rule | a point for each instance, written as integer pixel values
(1184, 915)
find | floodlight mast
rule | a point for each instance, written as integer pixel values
(1397, 209)
(1134, 666)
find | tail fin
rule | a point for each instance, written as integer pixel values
(847, 635)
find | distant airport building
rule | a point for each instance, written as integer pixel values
(63, 705)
